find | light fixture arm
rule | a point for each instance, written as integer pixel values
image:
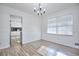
(39, 10)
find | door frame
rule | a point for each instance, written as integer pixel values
(21, 36)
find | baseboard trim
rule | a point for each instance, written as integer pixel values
(61, 44)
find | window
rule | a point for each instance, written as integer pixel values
(52, 26)
(60, 25)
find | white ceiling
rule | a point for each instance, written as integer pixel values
(50, 7)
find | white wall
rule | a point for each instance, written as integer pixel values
(63, 39)
(31, 26)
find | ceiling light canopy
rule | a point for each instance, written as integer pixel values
(40, 10)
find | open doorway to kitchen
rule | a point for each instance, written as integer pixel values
(15, 30)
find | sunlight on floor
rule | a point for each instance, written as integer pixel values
(47, 51)
(60, 54)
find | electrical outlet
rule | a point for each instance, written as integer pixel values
(77, 44)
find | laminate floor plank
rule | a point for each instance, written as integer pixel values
(30, 49)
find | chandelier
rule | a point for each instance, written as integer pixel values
(39, 10)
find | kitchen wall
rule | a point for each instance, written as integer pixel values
(31, 26)
(68, 40)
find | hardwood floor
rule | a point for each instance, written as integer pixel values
(30, 49)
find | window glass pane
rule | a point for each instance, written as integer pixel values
(52, 21)
(51, 30)
(52, 24)
(65, 20)
(64, 30)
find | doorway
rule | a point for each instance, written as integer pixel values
(15, 30)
